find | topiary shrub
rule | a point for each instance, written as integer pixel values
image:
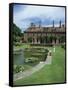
(63, 46)
(18, 68)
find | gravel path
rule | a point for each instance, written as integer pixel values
(32, 70)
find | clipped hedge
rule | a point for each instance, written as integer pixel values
(42, 45)
(35, 55)
(31, 60)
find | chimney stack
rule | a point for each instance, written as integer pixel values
(39, 23)
(60, 24)
(53, 23)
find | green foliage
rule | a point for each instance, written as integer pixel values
(35, 55)
(30, 39)
(63, 46)
(47, 39)
(17, 44)
(62, 39)
(31, 60)
(18, 68)
(49, 74)
(16, 31)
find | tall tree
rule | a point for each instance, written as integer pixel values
(16, 33)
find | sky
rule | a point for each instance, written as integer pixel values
(24, 15)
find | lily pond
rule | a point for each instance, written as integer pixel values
(27, 58)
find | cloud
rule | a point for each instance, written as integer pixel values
(45, 14)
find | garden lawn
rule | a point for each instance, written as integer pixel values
(53, 73)
(22, 46)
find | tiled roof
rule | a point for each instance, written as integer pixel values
(46, 29)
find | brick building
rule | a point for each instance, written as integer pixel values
(45, 35)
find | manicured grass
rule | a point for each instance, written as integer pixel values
(53, 73)
(23, 45)
(32, 56)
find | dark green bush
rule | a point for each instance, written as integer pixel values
(18, 68)
(63, 46)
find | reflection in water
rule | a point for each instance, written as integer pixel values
(18, 57)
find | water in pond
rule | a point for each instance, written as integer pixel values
(18, 57)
